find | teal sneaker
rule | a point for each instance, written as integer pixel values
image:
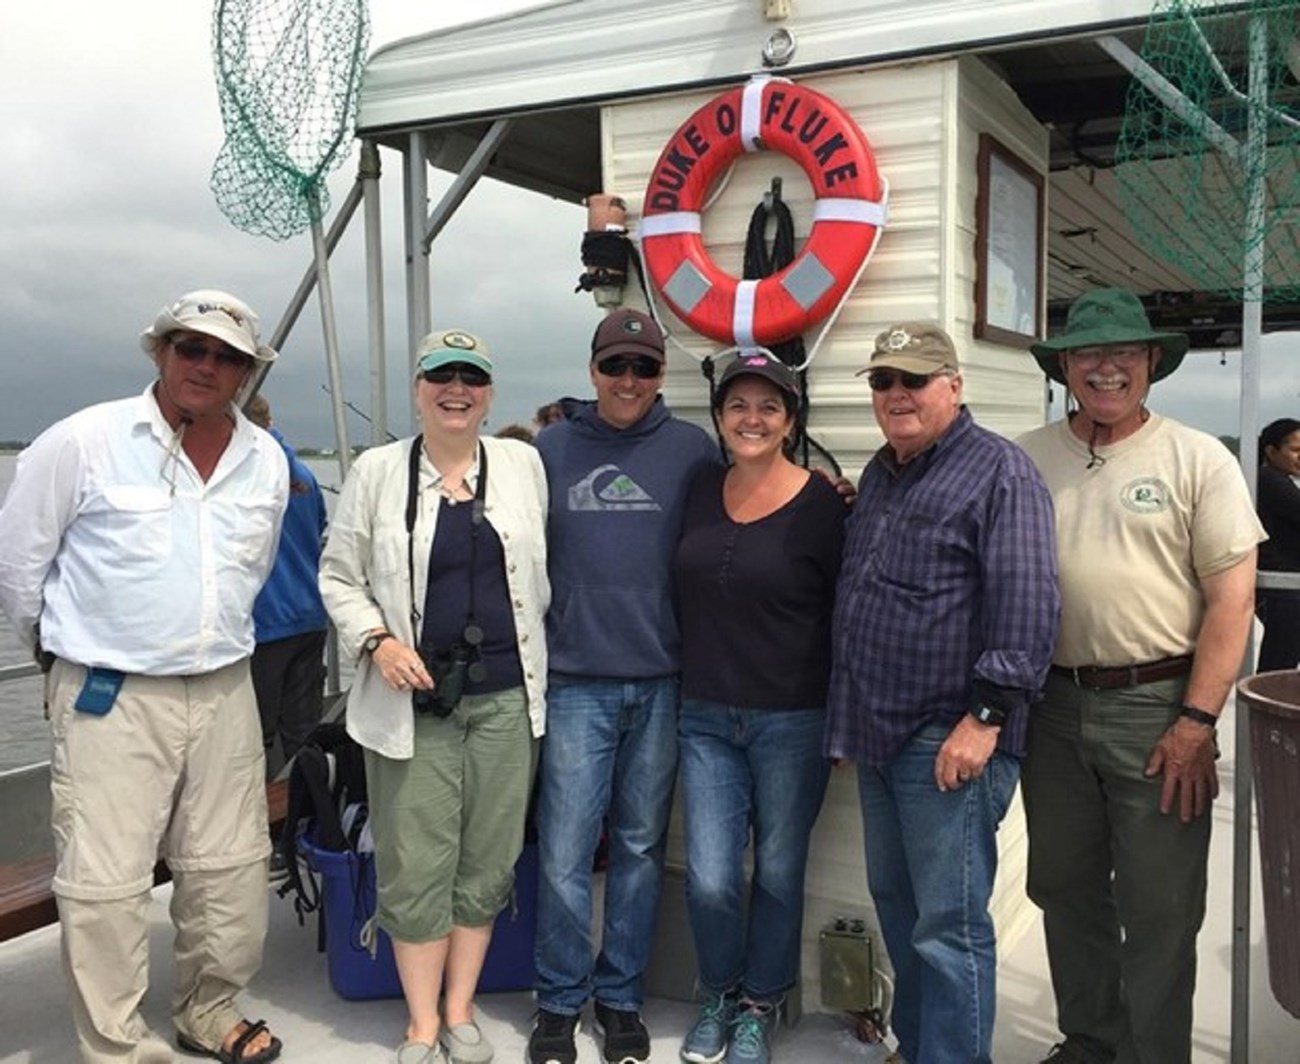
(751, 1034)
(706, 1042)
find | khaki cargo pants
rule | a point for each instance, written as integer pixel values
(176, 766)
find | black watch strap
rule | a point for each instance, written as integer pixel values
(1200, 716)
(989, 715)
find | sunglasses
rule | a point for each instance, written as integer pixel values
(197, 351)
(882, 380)
(1120, 354)
(470, 376)
(643, 367)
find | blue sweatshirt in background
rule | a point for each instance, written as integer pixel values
(289, 603)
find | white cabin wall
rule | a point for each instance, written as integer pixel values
(923, 121)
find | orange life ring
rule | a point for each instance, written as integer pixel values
(850, 210)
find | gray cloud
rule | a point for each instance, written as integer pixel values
(105, 214)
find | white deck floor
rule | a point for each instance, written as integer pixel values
(293, 994)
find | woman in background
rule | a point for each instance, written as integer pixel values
(1278, 504)
(435, 575)
(755, 574)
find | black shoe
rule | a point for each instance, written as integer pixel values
(626, 1039)
(1072, 1051)
(552, 1039)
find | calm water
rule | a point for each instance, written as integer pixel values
(24, 738)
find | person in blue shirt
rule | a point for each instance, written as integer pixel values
(945, 616)
(289, 617)
(618, 470)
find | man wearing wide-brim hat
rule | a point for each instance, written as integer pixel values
(137, 534)
(1156, 537)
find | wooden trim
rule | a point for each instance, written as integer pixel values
(27, 903)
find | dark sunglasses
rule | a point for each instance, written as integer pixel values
(470, 376)
(197, 351)
(642, 366)
(882, 380)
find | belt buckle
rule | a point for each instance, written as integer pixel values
(1078, 680)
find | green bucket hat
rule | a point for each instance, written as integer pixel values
(1109, 316)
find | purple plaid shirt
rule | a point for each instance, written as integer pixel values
(947, 594)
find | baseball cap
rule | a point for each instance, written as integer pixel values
(913, 347)
(452, 345)
(628, 332)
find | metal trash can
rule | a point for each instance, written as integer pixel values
(1274, 701)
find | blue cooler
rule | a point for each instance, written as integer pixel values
(348, 901)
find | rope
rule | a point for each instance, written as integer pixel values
(606, 255)
(760, 262)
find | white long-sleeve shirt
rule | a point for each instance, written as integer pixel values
(111, 540)
(366, 585)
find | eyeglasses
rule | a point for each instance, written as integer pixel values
(882, 380)
(1120, 354)
(643, 367)
(470, 376)
(197, 351)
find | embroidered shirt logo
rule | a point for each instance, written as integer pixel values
(1146, 495)
(609, 488)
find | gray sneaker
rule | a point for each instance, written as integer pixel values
(751, 1034)
(706, 1042)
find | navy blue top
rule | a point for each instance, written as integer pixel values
(616, 503)
(756, 598)
(446, 600)
(947, 593)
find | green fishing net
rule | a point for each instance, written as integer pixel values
(1185, 187)
(288, 74)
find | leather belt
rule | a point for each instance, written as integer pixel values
(1102, 678)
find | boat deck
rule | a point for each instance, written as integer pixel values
(292, 992)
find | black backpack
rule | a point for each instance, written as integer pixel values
(328, 775)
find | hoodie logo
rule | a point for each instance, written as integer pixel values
(609, 488)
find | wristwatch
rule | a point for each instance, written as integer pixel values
(1200, 716)
(989, 715)
(372, 642)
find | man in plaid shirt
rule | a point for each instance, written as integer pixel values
(946, 615)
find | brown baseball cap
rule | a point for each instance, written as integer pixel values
(628, 332)
(913, 347)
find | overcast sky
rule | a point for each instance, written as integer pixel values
(111, 126)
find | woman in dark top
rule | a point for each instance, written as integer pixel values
(1278, 503)
(755, 574)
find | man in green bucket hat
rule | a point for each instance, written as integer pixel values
(1156, 538)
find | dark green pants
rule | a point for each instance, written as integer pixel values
(1121, 885)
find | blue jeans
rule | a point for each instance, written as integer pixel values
(931, 860)
(610, 748)
(743, 770)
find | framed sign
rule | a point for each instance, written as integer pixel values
(1008, 247)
